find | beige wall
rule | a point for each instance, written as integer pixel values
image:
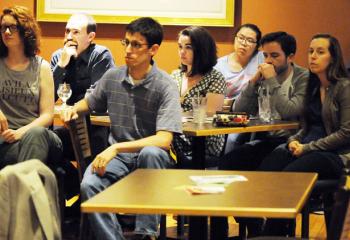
(302, 18)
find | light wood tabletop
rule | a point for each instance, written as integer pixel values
(100, 121)
(200, 131)
(95, 120)
(207, 129)
(265, 194)
(147, 191)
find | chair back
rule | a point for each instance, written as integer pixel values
(340, 224)
(79, 134)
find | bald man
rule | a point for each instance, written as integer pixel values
(81, 63)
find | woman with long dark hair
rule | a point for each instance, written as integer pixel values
(197, 77)
(323, 143)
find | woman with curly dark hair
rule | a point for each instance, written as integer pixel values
(26, 91)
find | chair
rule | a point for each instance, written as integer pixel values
(322, 199)
(335, 195)
(79, 134)
(339, 228)
(340, 223)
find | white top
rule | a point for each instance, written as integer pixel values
(235, 81)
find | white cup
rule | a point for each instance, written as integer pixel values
(199, 105)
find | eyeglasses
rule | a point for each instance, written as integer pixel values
(244, 39)
(13, 28)
(133, 44)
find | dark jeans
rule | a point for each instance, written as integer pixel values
(327, 164)
(249, 155)
(37, 143)
(106, 225)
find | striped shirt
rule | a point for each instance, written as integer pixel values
(137, 111)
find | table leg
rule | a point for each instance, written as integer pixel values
(305, 221)
(218, 228)
(180, 229)
(198, 153)
(242, 230)
(162, 232)
(198, 228)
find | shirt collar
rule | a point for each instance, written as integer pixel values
(148, 78)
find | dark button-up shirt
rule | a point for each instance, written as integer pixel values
(83, 71)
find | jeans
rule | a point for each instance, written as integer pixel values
(106, 225)
(37, 143)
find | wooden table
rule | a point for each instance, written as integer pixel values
(207, 129)
(200, 131)
(95, 120)
(100, 120)
(147, 191)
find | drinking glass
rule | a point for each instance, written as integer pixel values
(199, 105)
(264, 104)
(64, 92)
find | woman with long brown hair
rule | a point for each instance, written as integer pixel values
(323, 143)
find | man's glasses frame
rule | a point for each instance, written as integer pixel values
(133, 44)
(13, 28)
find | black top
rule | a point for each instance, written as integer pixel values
(83, 71)
(314, 111)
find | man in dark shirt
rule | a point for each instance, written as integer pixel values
(81, 63)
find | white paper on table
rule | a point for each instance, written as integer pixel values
(190, 119)
(217, 179)
(187, 119)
